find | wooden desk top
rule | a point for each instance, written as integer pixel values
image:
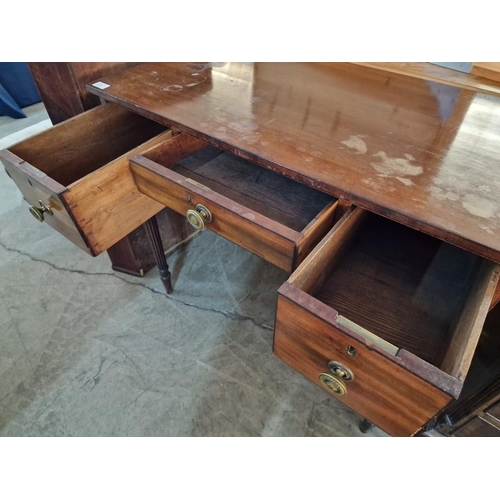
(422, 153)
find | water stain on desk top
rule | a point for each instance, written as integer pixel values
(422, 153)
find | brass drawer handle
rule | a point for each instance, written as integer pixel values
(38, 213)
(198, 217)
(332, 384)
(341, 371)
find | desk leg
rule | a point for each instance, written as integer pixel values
(365, 426)
(154, 238)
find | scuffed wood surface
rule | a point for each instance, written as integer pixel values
(419, 152)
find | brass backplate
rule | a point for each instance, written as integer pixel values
(332, 384)
(341, 371)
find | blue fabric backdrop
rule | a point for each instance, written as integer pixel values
(17, 89)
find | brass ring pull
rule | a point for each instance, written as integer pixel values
(38, 213)
(198, 217)
(332, 384)
(341, 371)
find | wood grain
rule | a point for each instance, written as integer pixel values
(314, 232)
(488, 70)
(496, 297)
(107, 205)
(81, 145)
(383, 392)
(466, 335)
(35, 186)
(494, 411)
(433, 73)
(62, 85)
(315, 269)
(387, 142)
(99, 203)
(272, 195)
(404, 286)
(477, 427)
(268, 239)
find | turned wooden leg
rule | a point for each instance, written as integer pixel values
(154, 238)
(365, 426)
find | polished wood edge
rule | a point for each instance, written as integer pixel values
(441, 232)
(433, 73)
(143, 148)
(487, 70)
(496, 297)
(470, 325)
(91, 249)
(33, 172)
(329, 210)
(305, 276)
(219, 200)
(415, 365)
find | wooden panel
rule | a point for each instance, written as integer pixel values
(107, 205)
(315, 231)
(409, 289)
(132, 255)
(383, 392)
(433, 73)
(35, 186)
(494, 411)
(496, 297)
(320, 262)
(268, 239)
(73, 149)
(466, 336)
(489, 70)
(477, 428)
(389, 143)
(272, 195)
(62, 85)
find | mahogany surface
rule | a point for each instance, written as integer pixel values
(422, 153)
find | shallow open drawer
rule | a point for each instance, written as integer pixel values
(386, 318)
(77, 179)
(272, 216)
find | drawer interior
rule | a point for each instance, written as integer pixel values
(405, 287)
(259, 189)
(83, 144)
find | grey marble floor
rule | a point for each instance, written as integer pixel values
(85, 351)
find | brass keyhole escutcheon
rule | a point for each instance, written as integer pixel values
(39, 213)
(333, 384)
(197, 218)
(351, 350)
(341, 371)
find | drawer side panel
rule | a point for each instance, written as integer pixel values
(35, 186)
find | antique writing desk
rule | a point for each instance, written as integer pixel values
(377, 191)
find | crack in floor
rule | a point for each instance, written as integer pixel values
(228, 314)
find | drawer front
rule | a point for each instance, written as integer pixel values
(383, 392)
(258, 234)
(35, 187)
(80, 170)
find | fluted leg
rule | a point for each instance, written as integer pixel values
(154, 237)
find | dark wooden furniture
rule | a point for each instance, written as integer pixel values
(62, 88)
(477, 411)
(363, 182)
(274, 217)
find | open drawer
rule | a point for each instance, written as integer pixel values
(77, 179)
(385, 318)
(272, 216)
